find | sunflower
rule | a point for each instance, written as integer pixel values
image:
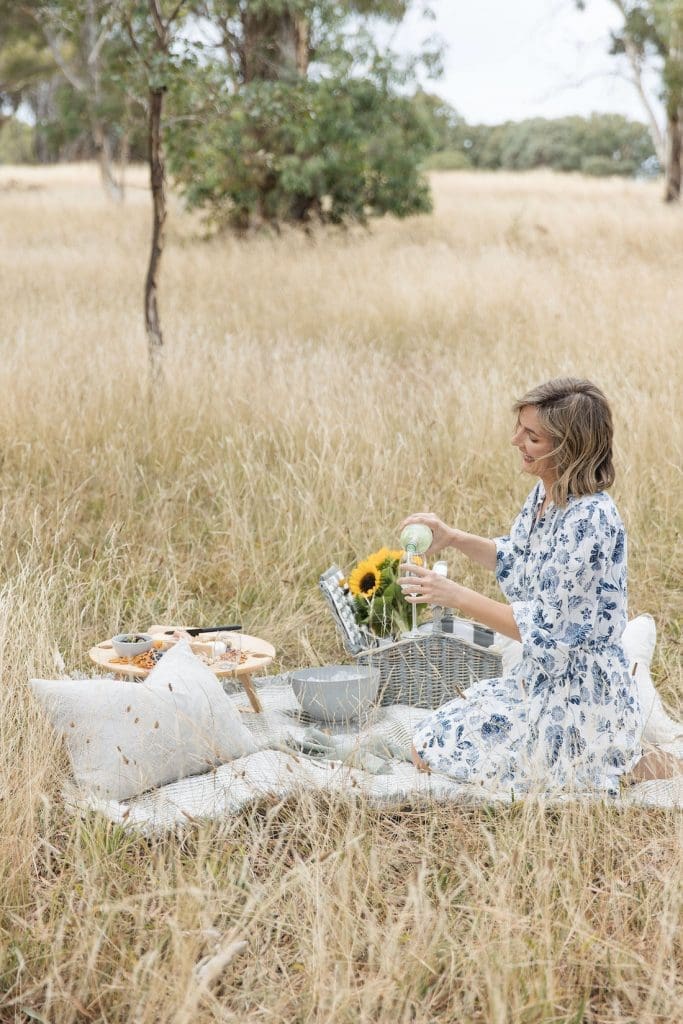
(384, 557)
(365, 579)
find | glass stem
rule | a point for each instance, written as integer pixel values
(410, 557)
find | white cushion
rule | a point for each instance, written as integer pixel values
(639, 639)
(126, 736)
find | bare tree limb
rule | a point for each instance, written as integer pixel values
(53, 42)
(100, 41)
(656, 133)
(158, 21)
(176, 11)
(133, 41)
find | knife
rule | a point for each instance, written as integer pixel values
(196, 630)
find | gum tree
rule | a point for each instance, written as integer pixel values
(84, 43)
(154, 30)
(652, 33)
(296, 114)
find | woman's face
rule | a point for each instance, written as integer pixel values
(533, 443)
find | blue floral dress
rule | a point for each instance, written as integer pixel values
(567, 715)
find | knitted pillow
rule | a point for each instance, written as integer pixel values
(127, 736)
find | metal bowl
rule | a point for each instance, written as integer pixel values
(335, 693)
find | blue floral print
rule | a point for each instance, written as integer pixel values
(567, 715)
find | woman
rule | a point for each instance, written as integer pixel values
(567, 715)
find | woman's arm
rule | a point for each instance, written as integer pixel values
(479, 549)
(424, 586)
(493, 614)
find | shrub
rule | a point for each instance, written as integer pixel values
(447, 160)
(16, 142)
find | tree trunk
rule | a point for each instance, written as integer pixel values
(302, 45)
(105, 159)
(275, 48)
(124, 147)
(157, 176)
(44, 107)
(672, 192)
(276, 45)
(92, 90)
(654, 127)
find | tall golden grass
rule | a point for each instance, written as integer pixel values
(318, 389)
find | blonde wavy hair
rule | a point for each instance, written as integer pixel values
(576, 416)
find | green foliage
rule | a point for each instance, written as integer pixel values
(441, 118)
(603, 167)
(291, 152)
(601, 144)
(447, 160)
(68, 63)
(24, 62)
(16, 142)
(301, 117)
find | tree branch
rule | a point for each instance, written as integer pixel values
(637, 80)
(133, 41)
(53, 42)
(158, 21)
(176, 12)
(99, 42)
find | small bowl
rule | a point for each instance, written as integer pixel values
(125, 649)
(335, 693)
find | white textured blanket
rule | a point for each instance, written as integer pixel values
(276, 770)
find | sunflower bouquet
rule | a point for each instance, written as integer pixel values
(378, 600)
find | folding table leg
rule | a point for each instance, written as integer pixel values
(251, 693)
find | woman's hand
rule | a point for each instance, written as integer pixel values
(424, 586)
(442, 535)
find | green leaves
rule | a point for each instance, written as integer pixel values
(600, 144)
(331, 150)
(299, 119)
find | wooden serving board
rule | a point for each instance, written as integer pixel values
(260, 652)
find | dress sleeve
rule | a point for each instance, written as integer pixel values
(563, 613)
(508, 558)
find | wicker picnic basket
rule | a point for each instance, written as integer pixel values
(425, 671)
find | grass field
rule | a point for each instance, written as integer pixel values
(317, 390)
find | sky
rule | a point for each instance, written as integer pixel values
(513, 59)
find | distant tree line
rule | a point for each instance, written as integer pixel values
(600, 145)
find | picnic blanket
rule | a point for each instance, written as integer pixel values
(371, 758)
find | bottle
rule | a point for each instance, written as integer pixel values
(416, 538)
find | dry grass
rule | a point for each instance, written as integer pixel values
(316, 391)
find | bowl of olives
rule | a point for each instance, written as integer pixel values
(127, 645)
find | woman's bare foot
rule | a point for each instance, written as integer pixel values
(421, 765)
(656, 764)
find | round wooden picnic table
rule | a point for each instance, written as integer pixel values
(259, 653)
